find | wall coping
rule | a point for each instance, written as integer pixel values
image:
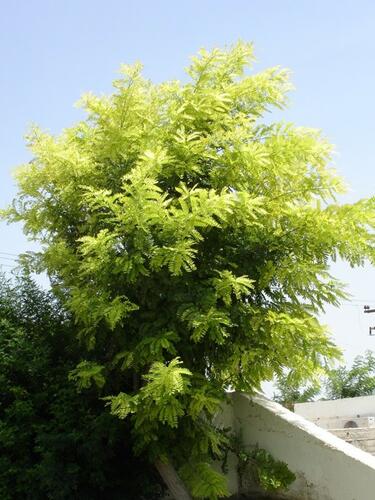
(325, 437)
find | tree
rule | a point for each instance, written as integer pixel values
(54, 442)
(290, 392)
(191, 238)
(359, 380)
(338, 383)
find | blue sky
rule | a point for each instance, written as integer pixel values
(53, 51)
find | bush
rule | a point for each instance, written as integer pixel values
(56, 443)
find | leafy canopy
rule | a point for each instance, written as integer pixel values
(354, 381)
(289, 391)
(336, 383)
(191, 237)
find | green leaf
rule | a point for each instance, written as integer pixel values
(204, 481)
(86, 373)
(122, 405)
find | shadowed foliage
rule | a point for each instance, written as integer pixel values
(54, 442)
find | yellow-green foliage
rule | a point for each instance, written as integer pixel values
(192, 240)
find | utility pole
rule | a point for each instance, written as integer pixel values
(366, 309)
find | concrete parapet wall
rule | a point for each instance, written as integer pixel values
(344, 422)
(327, 467)
(363, 438)
(363, 406)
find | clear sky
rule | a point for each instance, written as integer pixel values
(53, 50)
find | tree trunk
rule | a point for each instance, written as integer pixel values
(172, 480)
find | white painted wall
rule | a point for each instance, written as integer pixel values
(362, 437)
(349, 407)
(332, 423)
(327, 467)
